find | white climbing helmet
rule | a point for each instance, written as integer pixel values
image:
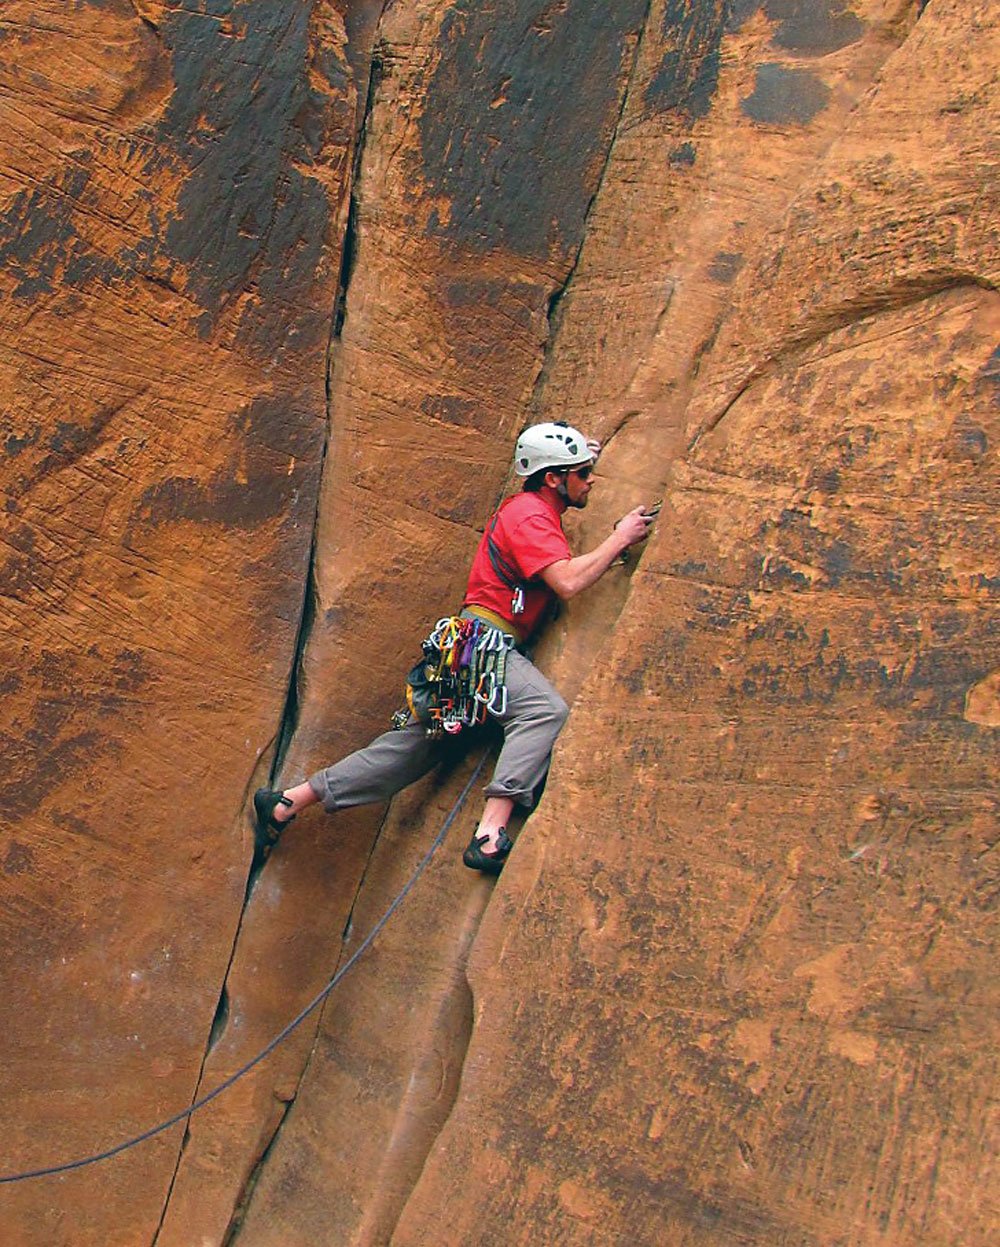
(554, 445)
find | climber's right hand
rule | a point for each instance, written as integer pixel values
(634, 526)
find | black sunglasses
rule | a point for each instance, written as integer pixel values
(583, 473)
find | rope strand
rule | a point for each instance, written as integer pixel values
(282, 1035)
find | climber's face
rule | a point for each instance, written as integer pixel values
(579, 482)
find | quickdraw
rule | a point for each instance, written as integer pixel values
(461, 677)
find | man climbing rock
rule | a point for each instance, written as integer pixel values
(522, 565)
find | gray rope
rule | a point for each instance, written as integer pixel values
(314, 1004)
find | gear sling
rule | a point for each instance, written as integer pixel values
(460, 678)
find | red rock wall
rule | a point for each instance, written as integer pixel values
(736, 983)
(172, 205)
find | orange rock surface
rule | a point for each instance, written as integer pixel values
(278, 285)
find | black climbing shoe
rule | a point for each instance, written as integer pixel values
(488, 863)
(267, 831)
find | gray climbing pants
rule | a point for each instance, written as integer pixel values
(533, 719)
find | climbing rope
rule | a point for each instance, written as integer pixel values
(314, 1004)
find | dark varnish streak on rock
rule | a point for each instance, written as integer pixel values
(43, 248)
(783, 97)
(66, 729)
(518, 117)
(724, 267)
(682, 156)
(808, 27)
(242, 116)
(267, 489)
(689, 71)
(243, 120)
(37, 235)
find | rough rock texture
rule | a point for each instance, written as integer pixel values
(737, 984)
(172, 206)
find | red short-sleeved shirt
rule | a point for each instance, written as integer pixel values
(529, 535)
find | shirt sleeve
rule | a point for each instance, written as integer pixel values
(537, 543)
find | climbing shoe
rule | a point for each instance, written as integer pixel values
(267, 831)
(488, 863)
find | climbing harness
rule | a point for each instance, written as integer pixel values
(461, 677)
(311, 1007)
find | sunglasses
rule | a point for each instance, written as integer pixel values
(583, 473)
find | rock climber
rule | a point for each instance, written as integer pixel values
(522, 565)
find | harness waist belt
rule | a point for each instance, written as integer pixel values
(493, 619)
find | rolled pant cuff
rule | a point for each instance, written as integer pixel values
(321, 792)
(524, 799)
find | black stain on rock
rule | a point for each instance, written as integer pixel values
(724, 267)
(814, 28)
(70, 440)
(19, 573)
(272, 428)
(449, 408)
(783, 97)
(990, 375)
(222, 499)
(688, 74)
(492, 292)
(13, 444)
(37, 233)
(129, 672)
(41, 243)
(825, 479)
(808, 27)
(968, 439)
(259, 488)
(10, 683)
(683, 155)
(255, 105)
(49, 450)
(518, 118)
(739, 11)
(245, 120)
(66, 731)
(800, 672)
(836, 560)
(18, 859)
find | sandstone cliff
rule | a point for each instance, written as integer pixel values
(278, 284)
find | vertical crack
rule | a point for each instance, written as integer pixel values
(431, 1092)
(348, 261)
(243, 1201)
(554, 307)
(349, 254)
(291, 709)
(221, 1019)
(246, 1194)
